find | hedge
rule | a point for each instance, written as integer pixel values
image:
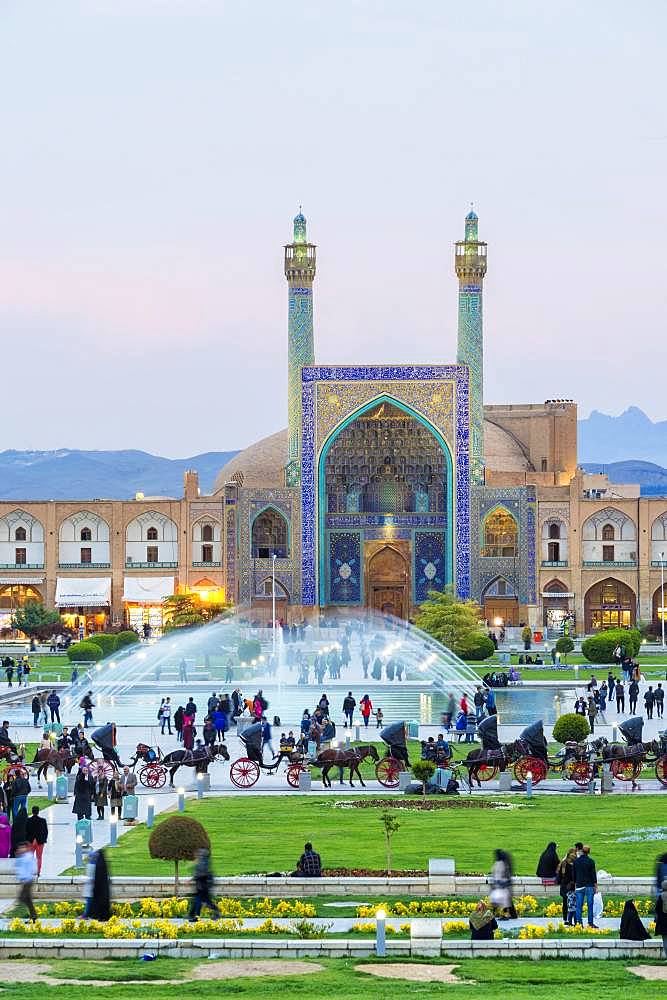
(84, 652)
(126, 638)
(477, 647)
(571, 727)
(106, 642)
(600, 648)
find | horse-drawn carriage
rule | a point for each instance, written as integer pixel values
(104, 739)
(527, 755)
(152, 773)
(396, 758)
(244, 772)
(627, 760)
(11, 763)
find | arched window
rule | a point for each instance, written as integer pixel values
(608, 533)
(207, 533)
(269, 535)
(500, 534)
(554, 530)
(151, 534)
(86, 535)
(20, 535)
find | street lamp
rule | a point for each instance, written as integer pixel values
(273, 602)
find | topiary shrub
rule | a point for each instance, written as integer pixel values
(248, 649)
(126, 638)
(178, 838)
(476, 647)
(106, 642)
(571, 727)
(84, 652)
(564, 646)
(527, 636)
(600, 648)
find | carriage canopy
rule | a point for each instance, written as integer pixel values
(252, 736)
(105, 736)
(488, 732)
(631, 730)
(533, 735)
(394, 735)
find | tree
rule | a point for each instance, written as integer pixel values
(107, 643)
(564, 646)
(34, 619)
(84, 652)
(527, 636)
(178, 838)
(249, 650)
(456, 624)
(183, 610)
(600, 648)
(390, 825)
(126, 638)
(571, 726)
(423, 771)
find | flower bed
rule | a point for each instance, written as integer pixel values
(442, 907)
(173, 907)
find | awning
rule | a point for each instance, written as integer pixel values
(85, 592)
(29, 580)
(557, 593)
(147, 589)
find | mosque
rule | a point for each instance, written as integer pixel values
(388, 482)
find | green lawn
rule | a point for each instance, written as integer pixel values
(266, 833)
(482, 980)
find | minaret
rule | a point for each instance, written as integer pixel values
(470, 264)
(300, 274)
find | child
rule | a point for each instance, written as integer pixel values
(379, 717)
(571, 906)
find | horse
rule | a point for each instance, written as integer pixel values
(479, 758)
(345, 757)
(59, 760)
(200, 757)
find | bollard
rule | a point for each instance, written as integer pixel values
(200, 786)
(51, 789)
(150, 814)
(529, 785)
(181, 800)
(78, 852)
(113, 831)
(614, 733)
(591, 786)
(380, 934)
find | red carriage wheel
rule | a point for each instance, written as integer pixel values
(387, 771)
(626, 769)
(534, 765)
(153, 776)
(661, 770)
(293, 772)
(486, 772)
(244, 772)
(17, 770)
(581, 773)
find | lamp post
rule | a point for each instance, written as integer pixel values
(529, 784)
(662, 596)
(273, 603)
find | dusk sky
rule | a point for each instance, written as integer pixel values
(154, 153)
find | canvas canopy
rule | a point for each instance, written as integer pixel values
(533, 735)
(104, 737)
(84, 592)
(394, 735)
(252, 736)
(147, 589)
(632, 729)
(488, 732)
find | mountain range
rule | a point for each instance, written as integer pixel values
(111, 475)
(629, 448)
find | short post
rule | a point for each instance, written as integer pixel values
(591, 786)
(113, 831)
(200, 786)
(51, 789)
(614, 733)
(347, 739)
(380, 934)
(78, 852)
(150, 813)
(576, 671)
(529, 785)
(181, 800)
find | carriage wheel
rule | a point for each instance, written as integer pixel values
(661, 770)
(17, 770)
(244, 772)
(535, 765)
(581, 773)
(486, 772)
(626, 769)
(387, 771)
(293, 772)
(153, 776)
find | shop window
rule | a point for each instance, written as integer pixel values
(151, 553)
(86, 555)
(500, 535)
(608, 533)
(207, 553)
(86, 536)
(207, 533)
(151, 535)
(21, 559)
(607, 553)
(20, 535)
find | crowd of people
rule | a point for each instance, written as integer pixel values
(612, 691)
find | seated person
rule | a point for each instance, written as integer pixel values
(460, 725)
(522, 659)
(539, 660)
(309, 864)
(441, 745)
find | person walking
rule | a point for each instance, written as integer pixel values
(36, 709)
(203, 882)
(53, 701)
(592, 712)
(37, 833)
(97, 889)
(84, 789)
(501, 885)
(101, 794)
(178, 723)
(9, 671)
(659, 696)
(165, 717)
(366, 709)
(25, 869)
(5, 836)
(115, 795)
(21, 790)
(266, 735)
(661, 916)
(619, 692)
(565, 879)
(633, 694)
(87, 706)
(43, 699)
(349, 705)
(649, 701)
(478, 702)
(585, 884)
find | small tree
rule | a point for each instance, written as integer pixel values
(183, 610)
(178, 838)
(564, 646)
(571, 727)
(84, 652)
(423, 771)
(454, 623)
(34, 619)
(390, 825)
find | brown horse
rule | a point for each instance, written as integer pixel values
(480, 758)
(59, 760)
(199, 757)
(344, 757)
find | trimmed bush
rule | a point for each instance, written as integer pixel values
(249, 649)
(564, 646)
(84, 652)
(476, 647)
(178, 838)
(126, 639)
(107, 643)
(571, 727)
(600, 648)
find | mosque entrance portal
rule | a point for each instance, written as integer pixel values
(388, 579)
